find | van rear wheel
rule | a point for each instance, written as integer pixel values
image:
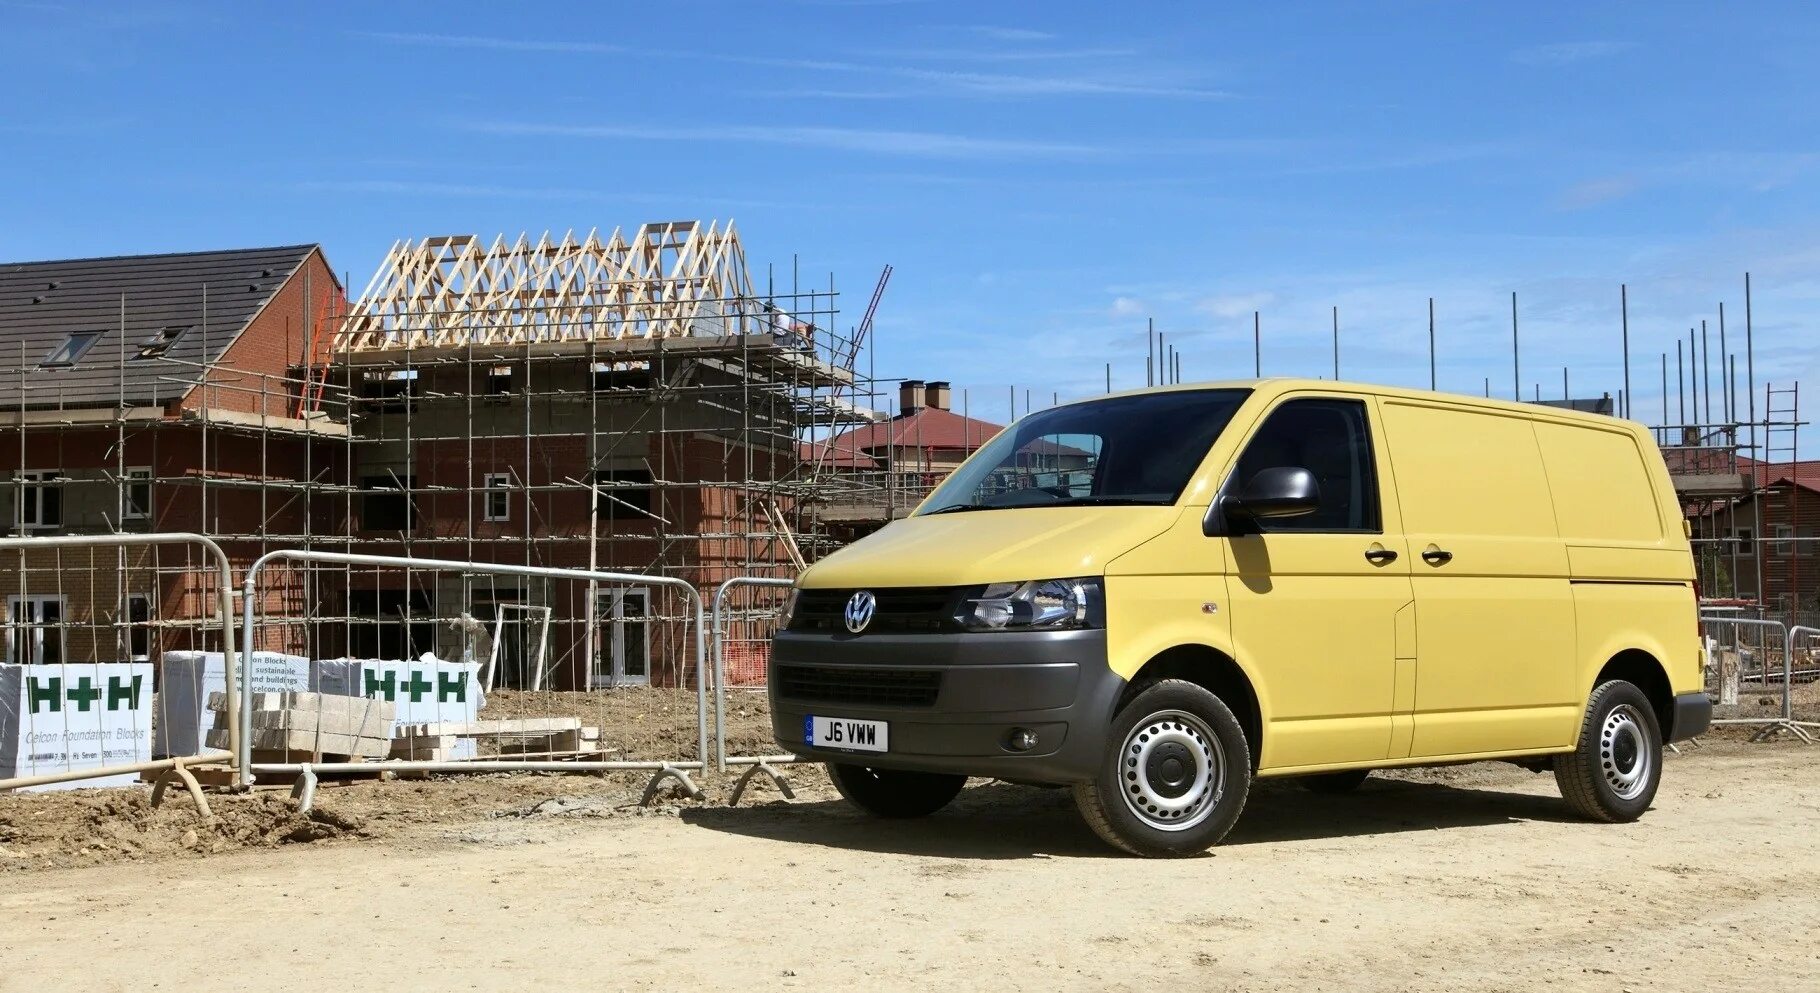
(1175, 775)
(894, 793)
(1612, 774)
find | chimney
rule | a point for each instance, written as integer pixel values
(910, 395)
(938, 395)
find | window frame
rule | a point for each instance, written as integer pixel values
(1746, 539)
(132, 477)
(138, 628)
(1373, 483)
(36, 484)
(76, 344)
(34, 630)
(496, 484)
(1782, 539)
(161, 341)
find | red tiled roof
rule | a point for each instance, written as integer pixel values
(926, 427)
(840, 452)
(1805, 473)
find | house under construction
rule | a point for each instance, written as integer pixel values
(631, 403)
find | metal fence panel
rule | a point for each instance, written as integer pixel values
(746, 610)
(436, 665)
(1756, 658)
(91, 623)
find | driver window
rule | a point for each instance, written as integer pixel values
(1332, 440)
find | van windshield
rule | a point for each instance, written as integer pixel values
(1133, 450)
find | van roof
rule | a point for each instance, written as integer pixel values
(1286, 384)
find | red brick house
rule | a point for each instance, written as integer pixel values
(153, 393)
(1772, 532)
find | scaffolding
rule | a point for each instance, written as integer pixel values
(638, 402)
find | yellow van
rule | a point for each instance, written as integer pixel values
(1154, 597)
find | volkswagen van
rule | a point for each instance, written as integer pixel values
(1154, 598)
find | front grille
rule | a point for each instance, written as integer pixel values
(890, 687)
(901, 609)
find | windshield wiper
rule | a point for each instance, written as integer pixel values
(1105, 501)
(1086, 501)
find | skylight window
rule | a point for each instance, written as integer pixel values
(72, 348)
(161, 341)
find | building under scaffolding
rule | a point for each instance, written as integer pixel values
(633, 403)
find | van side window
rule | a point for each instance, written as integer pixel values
(1332, 440)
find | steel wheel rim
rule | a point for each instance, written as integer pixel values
(1624, 755)
(1172, 770)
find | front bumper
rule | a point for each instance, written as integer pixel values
(979, 687)
(1692, 715)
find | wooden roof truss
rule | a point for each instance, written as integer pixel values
(670, 279)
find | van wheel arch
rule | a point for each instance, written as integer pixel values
(1645, 672)
(1214, 671)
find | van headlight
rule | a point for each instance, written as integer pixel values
(788, 612)
(1036, 605)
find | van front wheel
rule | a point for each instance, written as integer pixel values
(1175, 776)
(1612, 774)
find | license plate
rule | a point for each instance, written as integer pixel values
(846, 734)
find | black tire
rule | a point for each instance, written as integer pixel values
(1336, 782)
(1612, 773)
(895, 793)
(1164, 808)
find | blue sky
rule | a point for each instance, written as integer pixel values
(1043, 176)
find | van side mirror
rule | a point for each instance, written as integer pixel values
(1280, 491)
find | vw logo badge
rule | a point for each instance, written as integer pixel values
(859, 610)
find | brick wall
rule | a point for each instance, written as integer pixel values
(251, 376)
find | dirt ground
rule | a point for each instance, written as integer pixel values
(1469, 877)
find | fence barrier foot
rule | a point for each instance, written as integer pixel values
(783, 783)
(305, 790)
(1795, 728)
(188, 779)
(689, 788)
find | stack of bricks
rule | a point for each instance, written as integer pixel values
(295, 726)
(577, 741)
(552, 737)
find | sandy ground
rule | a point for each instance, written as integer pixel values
(1462, 878)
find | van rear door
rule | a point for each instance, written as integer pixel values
(1494, 609)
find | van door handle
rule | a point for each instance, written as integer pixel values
(1436, 556)
(1378, 555)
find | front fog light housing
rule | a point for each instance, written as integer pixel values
(1036, 605)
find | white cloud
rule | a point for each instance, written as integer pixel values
(504, 44)
(999, 54)
(1127, 307)
(926, 144)
(1594, 192)
(446, 190)
(1232, 305)
(1566, 52)
(1011, 34)
(1102, 80)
